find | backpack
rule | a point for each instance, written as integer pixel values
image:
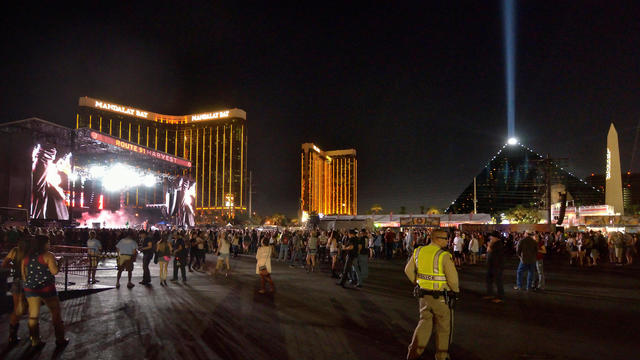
(619, 241)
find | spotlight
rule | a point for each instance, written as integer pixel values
(512, 141)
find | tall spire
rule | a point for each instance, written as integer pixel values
(613, 175)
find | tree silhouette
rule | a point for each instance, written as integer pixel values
(433, 211)
(376, 209)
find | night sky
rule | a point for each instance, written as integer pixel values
(417, 91)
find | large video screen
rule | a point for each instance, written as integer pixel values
(50, 172)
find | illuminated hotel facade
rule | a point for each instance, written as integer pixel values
(329, 181)
(214, 142)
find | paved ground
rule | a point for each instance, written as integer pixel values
(585, 314)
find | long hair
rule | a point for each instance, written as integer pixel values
(163, 243)
(21, 251)
(38, 245)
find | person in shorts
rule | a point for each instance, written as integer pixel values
(312, 251)
(127, 248)
(94, 248)
(224, 246)
(458, 244)
(13, 261)
(39, 268)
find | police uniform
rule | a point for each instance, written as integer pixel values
(431, 267)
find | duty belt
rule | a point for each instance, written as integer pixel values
(435, 294)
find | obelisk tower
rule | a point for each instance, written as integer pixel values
(613, 175)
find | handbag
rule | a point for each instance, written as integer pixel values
(263, 270)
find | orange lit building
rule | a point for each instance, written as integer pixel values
(214, 142)
(329, 181)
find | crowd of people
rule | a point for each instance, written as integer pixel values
(344, 254)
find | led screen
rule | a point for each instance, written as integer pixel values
(50, 172)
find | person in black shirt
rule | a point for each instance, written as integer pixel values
(495, 266)
(193, 252)
(180, 258)
(362, 265)
(350, 248)
(147, 256)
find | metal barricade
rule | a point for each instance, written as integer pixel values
(76, 260)
(72, 260)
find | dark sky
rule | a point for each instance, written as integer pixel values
(418, 91)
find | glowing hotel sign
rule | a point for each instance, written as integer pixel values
(210, 116)
(121, 109)
(608, 164)
(171, 119)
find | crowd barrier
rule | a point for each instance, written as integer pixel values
(76, 260)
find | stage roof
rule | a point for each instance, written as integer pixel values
(94, 146)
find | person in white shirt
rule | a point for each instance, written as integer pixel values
(127, 249)
(94, 247)
(263, 266)
(474, 248)
(458, 244)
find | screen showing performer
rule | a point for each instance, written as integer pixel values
(50, 173)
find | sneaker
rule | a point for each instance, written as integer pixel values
(117, 285)
(516, 288)
(62, 343)
(497, 301)
(130, 286)
(173, 280)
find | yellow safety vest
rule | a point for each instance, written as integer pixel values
(429, 264)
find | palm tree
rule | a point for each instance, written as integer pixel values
(376, 209)
(421, 209)
(403, 210)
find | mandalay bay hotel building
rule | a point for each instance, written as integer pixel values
(329, 181)
(214, 142)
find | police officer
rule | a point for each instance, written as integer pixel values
(431, 267)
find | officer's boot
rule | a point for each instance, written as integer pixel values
(59, 331)
(13, 334)
(34, 334)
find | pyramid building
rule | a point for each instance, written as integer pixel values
(516, 175)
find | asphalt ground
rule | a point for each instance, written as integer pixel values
(585, 313)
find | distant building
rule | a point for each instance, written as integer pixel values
(214, 142)
(630, 188)
(328, 181)
(516, 175)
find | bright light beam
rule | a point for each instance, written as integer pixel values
(508, 20)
